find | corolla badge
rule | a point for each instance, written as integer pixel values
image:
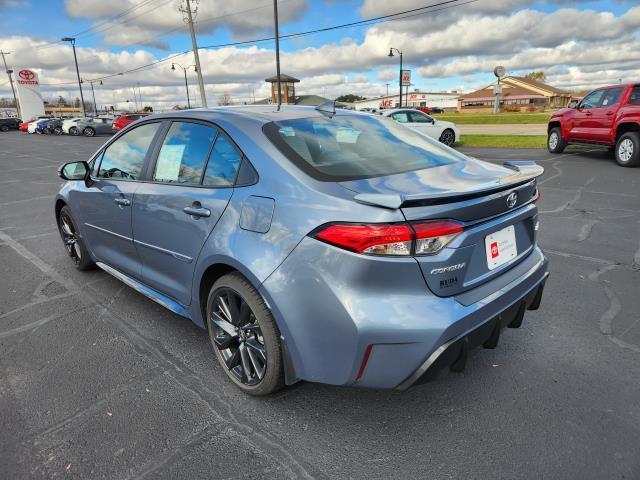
(512, 199)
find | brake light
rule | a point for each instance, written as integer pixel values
(417, 238)
(380, 239)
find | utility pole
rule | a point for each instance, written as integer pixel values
(93, 93)
(275, 21)
(75, 58)
(187, 16)
(9, 72)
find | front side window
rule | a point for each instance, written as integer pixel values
(184, 153)
(350, 147)
(223, 164)
(124, 158)
(634, 98)
(592, 100)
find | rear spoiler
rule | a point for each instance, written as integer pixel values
(525, 171)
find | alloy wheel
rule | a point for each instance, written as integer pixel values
(238, 337)
(448, 138)
(625, 150)
(70, 238)
(553, 140)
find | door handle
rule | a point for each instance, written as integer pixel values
(123, 202)
(609, 113)
(196, 210)
(588, 114)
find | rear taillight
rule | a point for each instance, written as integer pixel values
(397, 239)
(431, 237)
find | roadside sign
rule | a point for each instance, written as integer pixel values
(29, 96)
(406, 78)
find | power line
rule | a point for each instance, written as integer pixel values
(380, 19)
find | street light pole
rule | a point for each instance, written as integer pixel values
(400, 75)
(75, 58)
(387, 89)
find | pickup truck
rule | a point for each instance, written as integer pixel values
(607, 116)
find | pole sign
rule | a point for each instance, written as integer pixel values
(29, 95)
(406, 78)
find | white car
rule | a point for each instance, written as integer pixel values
(68, 123)
(445, 132)
(32, 126)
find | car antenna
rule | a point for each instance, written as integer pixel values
(327, 108)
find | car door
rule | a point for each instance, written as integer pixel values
(190, 184)
(103, 125)
(603, 117)
(424, 123)
(104, 206)
(583, 124)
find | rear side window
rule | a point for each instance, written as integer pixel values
(420, 118)
(184, 153)
(350, 147)
(634, 98)
(223, 164)
(124, 158)
(611, 97)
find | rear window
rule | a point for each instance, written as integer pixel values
(352, 147)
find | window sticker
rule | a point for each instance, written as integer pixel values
(169, 161)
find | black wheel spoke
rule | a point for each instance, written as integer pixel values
(237, 337)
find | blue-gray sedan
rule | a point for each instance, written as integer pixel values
(316, 245)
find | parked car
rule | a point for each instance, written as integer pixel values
(24, 126)
(42, 125)
(127, 119)
(54, 127)
(608, 116)
(445, 132)
(69, 125)
(437, 110)
(34, 125)
(335, 247)
(90, 127)
(7, 124)
(426, 110)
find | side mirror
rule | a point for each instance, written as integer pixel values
(74, 171)
(573, 104)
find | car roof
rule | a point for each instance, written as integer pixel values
(261, 114)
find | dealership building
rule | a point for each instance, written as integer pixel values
(417, 98)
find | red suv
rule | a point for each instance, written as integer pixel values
(127, 118)
(607, 116)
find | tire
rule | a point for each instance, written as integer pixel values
(628, 150)
(57, 131)
(4, 128)
(259, 335)
(89, 132)
(448, 137)
(73, 242)
(74, 131)
(555, 143)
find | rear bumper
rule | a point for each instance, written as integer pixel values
(333, 306)
(453, 353)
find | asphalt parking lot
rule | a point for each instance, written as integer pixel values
(96, 381)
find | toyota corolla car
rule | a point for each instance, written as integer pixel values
(446, 132)
(334, 247)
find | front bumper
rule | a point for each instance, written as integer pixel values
(332, 306)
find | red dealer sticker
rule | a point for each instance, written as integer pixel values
(494, 249)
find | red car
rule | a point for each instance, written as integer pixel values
(608, 116)
(126, 119)
(23, 126)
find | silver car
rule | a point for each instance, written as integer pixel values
(90, 127)
(333, 247)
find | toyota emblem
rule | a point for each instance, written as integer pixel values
(512, 199)
(26, 74)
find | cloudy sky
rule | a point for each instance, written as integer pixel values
(452, 45)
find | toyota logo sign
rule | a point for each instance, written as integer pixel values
(26, 74)
(512, 199)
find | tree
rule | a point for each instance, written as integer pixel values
(538, 76)
(224, 100)
(147, 108)
(62, 101)
(349, 98)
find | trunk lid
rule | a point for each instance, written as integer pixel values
(491, 201)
